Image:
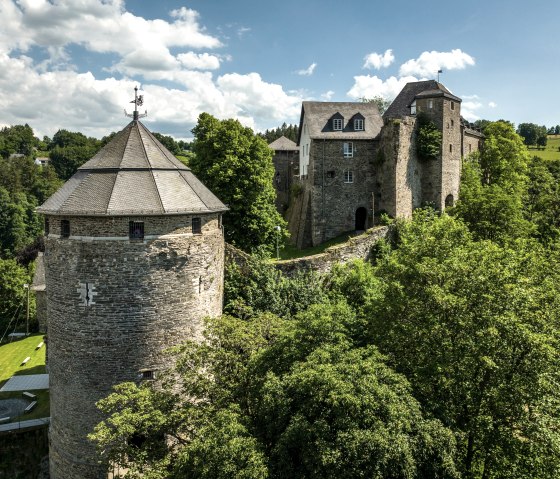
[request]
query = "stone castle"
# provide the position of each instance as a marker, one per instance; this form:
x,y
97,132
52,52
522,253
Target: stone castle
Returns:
x,y
134,245
351,163
134,260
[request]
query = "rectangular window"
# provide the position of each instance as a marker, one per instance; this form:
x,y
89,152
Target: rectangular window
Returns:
x,y
65,229
47,227
148,374
430,104
348,176
413,108
196,226
453,105
452,123
359,124
136,230
337,124
220,221
450,148
470,148
348,149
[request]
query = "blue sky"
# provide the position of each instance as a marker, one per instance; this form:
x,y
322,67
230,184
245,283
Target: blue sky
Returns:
x,y
74,63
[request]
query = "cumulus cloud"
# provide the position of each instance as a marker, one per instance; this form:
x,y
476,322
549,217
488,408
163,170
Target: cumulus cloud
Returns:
x,y
307,71
199,61
378,61
327,95
492,104
164,56
469,109
367,86
428,63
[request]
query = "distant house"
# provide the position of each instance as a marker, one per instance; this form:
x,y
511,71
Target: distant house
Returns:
x,y
355,164
42,160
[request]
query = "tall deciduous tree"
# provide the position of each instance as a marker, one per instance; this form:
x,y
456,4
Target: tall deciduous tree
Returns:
x,y
276,398
476,329
237,166
493,185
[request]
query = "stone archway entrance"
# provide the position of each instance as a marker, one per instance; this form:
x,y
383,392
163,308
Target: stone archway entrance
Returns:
x,y
361,218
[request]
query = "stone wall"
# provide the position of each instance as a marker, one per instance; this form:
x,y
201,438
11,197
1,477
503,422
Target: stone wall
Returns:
x,y
285,163
298,215
114,306
357,247
334,200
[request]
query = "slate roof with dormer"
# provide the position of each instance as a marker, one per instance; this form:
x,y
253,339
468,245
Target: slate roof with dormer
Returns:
x,y
422,89
283,144
134,174
318,117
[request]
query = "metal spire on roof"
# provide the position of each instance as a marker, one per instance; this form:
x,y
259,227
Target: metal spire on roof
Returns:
x,y
138,101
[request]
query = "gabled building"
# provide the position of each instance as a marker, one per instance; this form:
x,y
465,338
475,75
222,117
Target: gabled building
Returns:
x,y
355,164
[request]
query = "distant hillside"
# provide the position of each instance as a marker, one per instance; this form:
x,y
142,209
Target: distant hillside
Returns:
x,y
552,150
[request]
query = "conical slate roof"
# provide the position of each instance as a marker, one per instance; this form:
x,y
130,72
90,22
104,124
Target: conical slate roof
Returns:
x,y
134,174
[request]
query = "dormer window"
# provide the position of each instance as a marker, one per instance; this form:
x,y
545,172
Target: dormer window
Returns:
x,y
358,124
337,124
413,108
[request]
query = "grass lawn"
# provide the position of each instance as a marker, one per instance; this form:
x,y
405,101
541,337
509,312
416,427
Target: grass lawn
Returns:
x,y
290,251
42,409
12,354
551,151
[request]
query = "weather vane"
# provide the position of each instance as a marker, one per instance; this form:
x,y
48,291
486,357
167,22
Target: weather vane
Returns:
x,y
138,101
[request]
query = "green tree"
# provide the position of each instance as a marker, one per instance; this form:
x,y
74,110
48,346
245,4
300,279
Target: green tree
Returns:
x,y
12,294
532,134
493,186
17,139
69,150
382,103
428,138
237,166
475,327
257,286
276,398
169,143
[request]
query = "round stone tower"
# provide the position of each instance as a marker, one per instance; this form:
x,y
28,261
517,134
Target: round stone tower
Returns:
x,y
134,260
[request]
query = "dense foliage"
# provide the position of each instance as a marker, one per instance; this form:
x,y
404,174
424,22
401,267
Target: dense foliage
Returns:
x,y
441,360
533,135
428,138
289,131
236,165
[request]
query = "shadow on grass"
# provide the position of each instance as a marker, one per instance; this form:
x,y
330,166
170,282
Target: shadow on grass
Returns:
x,y
34,370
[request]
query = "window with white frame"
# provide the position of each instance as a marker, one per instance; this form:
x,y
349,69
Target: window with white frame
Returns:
x,y
337,124
413,108
358,124
430,104
348,149
348,176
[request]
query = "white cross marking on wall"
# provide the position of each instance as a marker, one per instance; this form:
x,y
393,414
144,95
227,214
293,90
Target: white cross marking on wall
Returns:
x,y
87,293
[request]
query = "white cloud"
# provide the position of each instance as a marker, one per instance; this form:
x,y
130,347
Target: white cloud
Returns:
x,y
241,31
492,104
378,61
307,71
53,94
470,108
327,95
367,86
428,63
199,61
